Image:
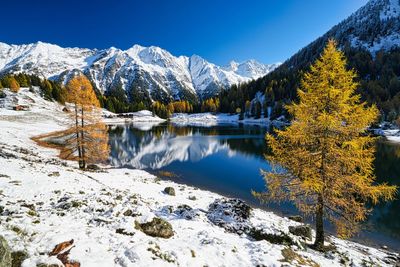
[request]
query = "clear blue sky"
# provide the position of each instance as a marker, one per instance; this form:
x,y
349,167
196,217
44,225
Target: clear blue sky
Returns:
x,y
218,30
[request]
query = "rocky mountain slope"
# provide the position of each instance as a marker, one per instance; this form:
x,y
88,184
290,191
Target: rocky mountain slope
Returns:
x,y
374,27
149,71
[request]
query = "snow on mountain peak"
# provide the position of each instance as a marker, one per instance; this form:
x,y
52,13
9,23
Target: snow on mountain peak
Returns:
x,y
151,69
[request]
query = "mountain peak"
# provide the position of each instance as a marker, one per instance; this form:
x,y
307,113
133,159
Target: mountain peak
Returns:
x,y
153,71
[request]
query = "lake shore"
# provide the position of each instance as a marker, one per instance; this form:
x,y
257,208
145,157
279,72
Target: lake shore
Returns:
x,y
47,201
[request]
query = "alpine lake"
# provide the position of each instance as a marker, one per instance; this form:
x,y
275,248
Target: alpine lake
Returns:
x,y
228,159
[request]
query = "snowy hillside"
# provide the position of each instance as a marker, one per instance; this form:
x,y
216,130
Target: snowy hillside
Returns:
x,y
149,71
45,201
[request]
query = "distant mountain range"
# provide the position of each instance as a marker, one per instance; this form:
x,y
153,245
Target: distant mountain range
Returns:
x,y
149,71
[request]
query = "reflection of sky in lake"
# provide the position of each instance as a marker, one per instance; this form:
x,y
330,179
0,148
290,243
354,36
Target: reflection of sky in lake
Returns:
x,y
228,159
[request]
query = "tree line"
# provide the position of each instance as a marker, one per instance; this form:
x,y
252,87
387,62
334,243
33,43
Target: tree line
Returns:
x,y
378,82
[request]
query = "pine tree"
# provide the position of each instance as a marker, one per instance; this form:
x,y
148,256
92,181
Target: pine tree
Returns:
x,y
90,138
323,162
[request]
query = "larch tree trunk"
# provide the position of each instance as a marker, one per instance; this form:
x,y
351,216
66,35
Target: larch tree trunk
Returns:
x,y
83,142
319,224
78,143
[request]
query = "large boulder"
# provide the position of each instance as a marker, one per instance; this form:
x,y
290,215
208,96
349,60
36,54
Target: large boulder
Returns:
x,y
169,191
5,253
156,228
231,214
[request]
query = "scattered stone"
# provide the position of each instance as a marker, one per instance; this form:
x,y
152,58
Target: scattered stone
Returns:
x,y
76,204
185,211
18,257
32,213
124,232
296,218
280,239
156,251
128,213
301,230
231,214
384,247
192,198
169,191
66,110
54,174
64,206
1,209
93,167
156,228
5,253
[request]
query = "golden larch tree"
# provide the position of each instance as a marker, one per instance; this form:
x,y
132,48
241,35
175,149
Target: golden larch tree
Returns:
x,y
323,162
88,142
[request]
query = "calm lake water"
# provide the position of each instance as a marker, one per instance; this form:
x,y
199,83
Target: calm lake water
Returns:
x,y
227,159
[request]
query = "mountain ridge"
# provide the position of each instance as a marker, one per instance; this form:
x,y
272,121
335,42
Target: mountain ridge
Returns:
x,y
150,71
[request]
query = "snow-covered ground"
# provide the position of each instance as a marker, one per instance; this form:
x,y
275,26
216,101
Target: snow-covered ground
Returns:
x,y
212,119
204,119
46,201
137,117
392,135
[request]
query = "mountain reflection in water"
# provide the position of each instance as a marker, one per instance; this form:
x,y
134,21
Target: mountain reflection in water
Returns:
x,y
227,159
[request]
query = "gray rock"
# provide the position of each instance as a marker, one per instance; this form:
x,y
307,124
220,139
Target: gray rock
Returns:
x,y
186,212
54,174
301,230
170,191
156,228
128,212
5,253
231,214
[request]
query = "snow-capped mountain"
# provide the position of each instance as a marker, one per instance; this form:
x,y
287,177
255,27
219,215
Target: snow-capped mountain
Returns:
x,y
147,71
374,27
